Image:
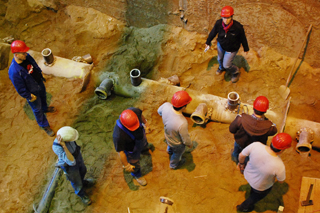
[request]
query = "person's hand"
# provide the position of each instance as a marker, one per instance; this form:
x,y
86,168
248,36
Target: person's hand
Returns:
x,y
59,138
146,127
129,168
207,47
33,98
241,167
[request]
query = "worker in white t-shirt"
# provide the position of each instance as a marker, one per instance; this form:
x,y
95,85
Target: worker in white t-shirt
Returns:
x,y
263,168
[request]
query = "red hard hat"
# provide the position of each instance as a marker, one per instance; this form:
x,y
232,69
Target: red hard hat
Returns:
x,y
129,119
282,141
227,11
19,47
261,104
180,99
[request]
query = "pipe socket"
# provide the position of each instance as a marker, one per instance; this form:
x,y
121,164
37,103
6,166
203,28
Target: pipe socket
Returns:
x,y
233,101
104,90
135,76
200,114
305,138
47,56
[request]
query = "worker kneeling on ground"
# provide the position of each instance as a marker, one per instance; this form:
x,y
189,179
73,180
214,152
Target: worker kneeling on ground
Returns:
x,y
176,127
71,162
130,140
251,128
263,168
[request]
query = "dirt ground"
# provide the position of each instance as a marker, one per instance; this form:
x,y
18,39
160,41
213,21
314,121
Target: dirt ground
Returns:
x,y
208,183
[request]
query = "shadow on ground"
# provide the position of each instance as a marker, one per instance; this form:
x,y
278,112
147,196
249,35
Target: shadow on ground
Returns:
x,y
239,61
272,201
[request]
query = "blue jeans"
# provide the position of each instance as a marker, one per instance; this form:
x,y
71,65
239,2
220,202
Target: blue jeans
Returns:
x,y
176,154
225,60
235,154
75,174
39,106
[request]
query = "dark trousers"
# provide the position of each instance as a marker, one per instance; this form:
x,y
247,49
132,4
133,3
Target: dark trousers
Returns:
x,y
75,174
39,106
254,197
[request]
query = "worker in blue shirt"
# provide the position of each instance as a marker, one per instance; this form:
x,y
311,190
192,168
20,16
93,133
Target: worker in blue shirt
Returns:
x,y
26,77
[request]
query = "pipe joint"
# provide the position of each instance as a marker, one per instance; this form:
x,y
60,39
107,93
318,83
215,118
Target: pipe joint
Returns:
x,y
305,138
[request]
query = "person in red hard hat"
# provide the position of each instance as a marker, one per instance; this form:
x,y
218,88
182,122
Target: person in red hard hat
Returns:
x,y
230,36
251,128
129,139
176,127
26,77
264,167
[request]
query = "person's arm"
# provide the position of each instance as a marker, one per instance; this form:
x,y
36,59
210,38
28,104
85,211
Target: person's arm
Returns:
x,y
19,84
68,154
212,34
241,163
184,134
126,165
244,41
233,128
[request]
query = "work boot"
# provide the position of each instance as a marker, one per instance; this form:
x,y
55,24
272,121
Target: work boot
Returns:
x,y
235,77
219,72
86,200
88,182
50,109
183,161
49,131
241,209
141,180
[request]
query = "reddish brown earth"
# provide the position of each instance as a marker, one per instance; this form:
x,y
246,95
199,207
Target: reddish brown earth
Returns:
x,y
208,183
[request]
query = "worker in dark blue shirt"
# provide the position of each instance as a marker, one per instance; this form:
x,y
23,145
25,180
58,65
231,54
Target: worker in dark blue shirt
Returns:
x,y
26,77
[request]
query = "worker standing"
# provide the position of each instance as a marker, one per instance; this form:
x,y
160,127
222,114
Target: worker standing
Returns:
x,y
251,128
230,36
176,127
26,77
130,140
264,167
71,162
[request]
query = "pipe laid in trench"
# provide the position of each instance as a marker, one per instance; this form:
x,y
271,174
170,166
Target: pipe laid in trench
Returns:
x,y
219,112
218,105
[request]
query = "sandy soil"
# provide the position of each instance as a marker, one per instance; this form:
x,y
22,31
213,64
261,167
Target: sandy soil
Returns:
x,y
209,182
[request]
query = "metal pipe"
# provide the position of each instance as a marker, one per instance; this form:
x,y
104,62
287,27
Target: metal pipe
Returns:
x,y
45,202
47,56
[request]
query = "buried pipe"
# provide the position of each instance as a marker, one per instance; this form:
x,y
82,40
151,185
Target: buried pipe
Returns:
x,y
45,202
104,90
220,111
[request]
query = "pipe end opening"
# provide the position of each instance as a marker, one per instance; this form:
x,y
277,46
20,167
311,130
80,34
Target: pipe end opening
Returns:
x,y
197,119
135,73
303,149
46,52
101,94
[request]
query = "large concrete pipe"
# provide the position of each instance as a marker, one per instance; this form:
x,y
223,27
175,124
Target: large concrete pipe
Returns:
x,y
219,106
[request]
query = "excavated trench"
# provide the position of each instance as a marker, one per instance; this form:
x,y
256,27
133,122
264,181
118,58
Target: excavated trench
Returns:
x,y
209,182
